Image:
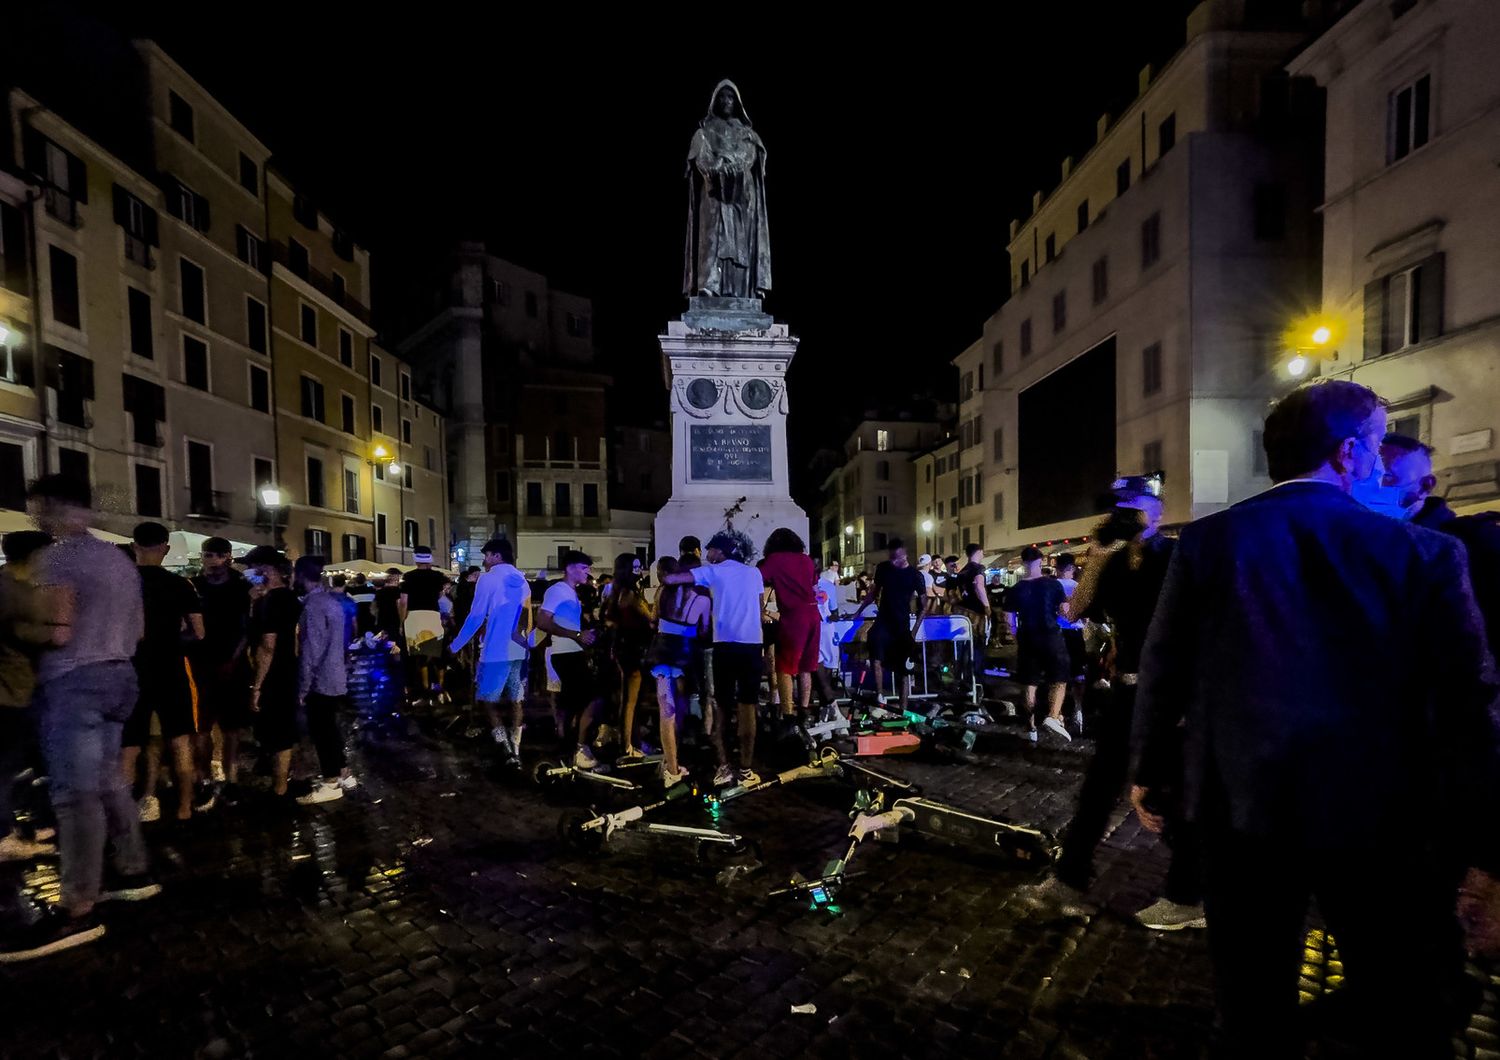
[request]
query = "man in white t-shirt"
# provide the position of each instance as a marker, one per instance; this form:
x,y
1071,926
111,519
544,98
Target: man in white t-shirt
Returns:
x,y
500,598
562,617
735,592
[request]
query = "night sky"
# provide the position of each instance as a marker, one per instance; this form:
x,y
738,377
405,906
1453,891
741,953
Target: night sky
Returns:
x,y
897,156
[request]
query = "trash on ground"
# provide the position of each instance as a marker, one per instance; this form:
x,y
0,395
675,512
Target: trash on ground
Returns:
x,y
808,1009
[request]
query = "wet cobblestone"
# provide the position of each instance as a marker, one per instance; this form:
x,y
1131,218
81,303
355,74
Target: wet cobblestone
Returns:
x,y
434,912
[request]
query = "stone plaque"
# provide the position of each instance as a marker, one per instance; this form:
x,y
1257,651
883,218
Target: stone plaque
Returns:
x,y
729,452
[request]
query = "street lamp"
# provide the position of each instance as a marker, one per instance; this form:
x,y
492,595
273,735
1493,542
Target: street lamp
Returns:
x,y
1297,367
270,496
926,526
1309,339
849,530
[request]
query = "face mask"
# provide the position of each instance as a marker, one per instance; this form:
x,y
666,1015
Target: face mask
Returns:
x,y
1378,497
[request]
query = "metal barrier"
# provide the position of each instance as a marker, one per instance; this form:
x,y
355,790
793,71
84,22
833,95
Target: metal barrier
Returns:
x,y
945,664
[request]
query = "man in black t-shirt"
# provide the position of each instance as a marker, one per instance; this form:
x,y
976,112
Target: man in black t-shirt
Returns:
x,y
219,658
891,644
974,599
422,624
388,605
1041,655
272,635
173,618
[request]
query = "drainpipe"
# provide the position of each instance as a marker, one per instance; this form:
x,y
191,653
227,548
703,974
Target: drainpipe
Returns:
x,y
38,366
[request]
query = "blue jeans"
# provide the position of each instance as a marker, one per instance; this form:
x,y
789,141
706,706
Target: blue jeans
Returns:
x,y
80,716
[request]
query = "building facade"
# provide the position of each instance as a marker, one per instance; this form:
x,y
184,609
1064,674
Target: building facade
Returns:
x,y
873,497
641,470
1149,293
511,359
194,335
1411,225
22,436
935,530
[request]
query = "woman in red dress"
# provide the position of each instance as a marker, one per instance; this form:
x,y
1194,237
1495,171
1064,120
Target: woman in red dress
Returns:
x,y
788,571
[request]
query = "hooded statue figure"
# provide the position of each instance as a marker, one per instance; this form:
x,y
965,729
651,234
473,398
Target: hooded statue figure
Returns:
x,y
728,251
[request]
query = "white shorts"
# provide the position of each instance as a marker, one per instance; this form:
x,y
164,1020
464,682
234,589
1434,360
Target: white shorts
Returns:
x,y
503,679
828,646
422,629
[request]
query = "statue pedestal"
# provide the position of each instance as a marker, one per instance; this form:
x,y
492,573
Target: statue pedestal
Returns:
x,y
725,363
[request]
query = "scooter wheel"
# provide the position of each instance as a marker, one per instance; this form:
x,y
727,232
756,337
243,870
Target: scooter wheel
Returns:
x,y
571,831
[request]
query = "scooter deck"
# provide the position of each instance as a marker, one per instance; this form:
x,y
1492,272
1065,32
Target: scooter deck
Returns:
x,y
984,834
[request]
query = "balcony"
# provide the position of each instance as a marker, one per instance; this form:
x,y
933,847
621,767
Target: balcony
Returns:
x,y
62,206
137,250
322,282
209,505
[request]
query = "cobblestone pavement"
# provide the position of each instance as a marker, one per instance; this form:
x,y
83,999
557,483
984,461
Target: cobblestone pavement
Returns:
x,y
434,912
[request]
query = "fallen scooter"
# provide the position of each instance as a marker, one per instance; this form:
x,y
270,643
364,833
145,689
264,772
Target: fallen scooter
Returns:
x,y
592,833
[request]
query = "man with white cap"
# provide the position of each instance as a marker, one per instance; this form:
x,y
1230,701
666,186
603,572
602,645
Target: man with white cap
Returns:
x,y
422,622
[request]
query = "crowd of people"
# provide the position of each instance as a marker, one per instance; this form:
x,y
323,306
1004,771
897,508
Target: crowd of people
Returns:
x,y
1300,695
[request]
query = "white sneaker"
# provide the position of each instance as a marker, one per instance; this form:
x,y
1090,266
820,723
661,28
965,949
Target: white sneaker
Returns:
x,y
321,792
669,780
1031,735
584,759
216,771
723,777
349,783
1163,915
1078,721
150,809
1010,708
18,848
498,734
1055,725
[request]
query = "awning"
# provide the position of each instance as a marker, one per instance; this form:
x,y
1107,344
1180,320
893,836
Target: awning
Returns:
x,y
187,544
366,567
12,520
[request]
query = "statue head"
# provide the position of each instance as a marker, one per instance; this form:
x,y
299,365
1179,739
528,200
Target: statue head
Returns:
x,y
726,103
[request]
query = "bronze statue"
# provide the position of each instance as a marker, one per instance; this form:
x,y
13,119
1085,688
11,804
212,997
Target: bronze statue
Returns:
x,y
728,251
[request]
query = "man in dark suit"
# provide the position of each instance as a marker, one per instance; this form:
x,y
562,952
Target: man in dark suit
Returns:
x,y
1330,668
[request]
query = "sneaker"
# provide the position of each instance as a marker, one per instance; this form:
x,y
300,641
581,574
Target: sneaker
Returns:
x,y
324,791
17,848
1031,735
216,771
515,740
1163,915
349,782
631,752
670,780
1077,720
500,736
749,778
1010,708
135,888
1055,725
1053,897
723,777
53,933
150,809
584,759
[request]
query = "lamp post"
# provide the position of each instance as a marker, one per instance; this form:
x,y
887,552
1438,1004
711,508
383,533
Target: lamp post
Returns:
x,y
269,497
1307,341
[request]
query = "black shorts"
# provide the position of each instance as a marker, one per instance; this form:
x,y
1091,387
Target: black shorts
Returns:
x,y
736,673
165,689
1042,660
223,696
891,645
575,679
276,721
